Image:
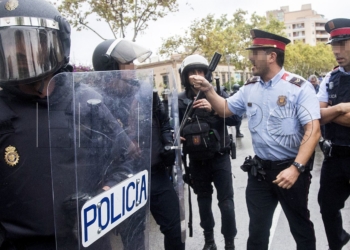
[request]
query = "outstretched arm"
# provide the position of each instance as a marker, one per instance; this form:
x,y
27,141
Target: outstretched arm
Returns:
x,y
217,102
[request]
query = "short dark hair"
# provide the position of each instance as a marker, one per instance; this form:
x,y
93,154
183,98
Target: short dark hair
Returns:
x,y
279,53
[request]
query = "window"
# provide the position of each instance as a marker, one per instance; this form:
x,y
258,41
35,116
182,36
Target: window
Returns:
x,y
165,80
223,77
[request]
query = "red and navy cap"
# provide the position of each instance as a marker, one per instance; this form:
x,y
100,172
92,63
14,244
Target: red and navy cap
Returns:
x,y
263,39
339,29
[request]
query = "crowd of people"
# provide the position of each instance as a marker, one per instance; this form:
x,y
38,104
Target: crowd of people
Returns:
x,y
57,155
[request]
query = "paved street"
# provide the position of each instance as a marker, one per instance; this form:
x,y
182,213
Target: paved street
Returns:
x,y
281,238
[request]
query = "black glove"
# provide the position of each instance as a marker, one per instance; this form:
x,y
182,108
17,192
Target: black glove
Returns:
x,y
168,156
188,180
73,205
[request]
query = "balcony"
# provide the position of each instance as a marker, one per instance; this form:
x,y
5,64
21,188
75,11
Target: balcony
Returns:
x,y
322,35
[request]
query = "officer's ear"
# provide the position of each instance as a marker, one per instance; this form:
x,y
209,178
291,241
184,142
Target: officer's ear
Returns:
x,y
271,56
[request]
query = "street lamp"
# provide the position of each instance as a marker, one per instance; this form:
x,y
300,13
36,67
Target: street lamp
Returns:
x,y
228,58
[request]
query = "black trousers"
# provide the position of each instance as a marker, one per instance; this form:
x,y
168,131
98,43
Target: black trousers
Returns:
x,y
334,191
238,125
217,171
165,209
262,197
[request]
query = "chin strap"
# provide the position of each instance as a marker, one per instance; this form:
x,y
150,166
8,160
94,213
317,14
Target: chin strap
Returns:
x,y
41,88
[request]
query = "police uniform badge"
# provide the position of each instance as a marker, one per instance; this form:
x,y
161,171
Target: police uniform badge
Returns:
x,y
196,140
11,5
11,156
282,100
331,85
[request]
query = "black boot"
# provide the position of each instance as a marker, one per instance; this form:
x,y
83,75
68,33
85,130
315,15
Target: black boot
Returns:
x,y
229,244
209,241
239,134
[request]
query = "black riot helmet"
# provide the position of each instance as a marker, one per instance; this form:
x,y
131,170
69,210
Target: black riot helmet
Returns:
x,y
34,41
109,53
235,87
190,63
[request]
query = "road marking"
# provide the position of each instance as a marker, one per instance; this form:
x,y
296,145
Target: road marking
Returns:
x,y
275,219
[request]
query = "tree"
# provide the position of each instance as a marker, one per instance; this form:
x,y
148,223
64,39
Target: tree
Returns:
x,y
120,15
305,60
228,36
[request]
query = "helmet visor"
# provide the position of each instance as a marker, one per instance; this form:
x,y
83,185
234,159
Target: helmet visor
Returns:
x,y
124,51
27,54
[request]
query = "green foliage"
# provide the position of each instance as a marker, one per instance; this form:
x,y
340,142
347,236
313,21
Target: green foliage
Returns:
x,y
226,35
120,15
231,35
304,59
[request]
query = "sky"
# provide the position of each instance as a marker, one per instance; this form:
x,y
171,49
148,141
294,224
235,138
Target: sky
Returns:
x,y
84,42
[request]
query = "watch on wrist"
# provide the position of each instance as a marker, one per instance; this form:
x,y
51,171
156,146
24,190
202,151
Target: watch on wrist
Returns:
x,y
300,167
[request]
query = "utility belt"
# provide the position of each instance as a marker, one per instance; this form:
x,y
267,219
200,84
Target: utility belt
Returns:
x,y
257,166
203,142
274,165
331,150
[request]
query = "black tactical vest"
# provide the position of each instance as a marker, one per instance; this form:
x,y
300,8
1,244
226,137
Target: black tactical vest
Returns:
x,y
338,88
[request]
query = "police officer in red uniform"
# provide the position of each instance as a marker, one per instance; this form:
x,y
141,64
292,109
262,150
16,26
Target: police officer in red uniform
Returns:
x,y
283,119
334,97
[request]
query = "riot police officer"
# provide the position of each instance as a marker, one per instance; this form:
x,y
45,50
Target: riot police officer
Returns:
x,y
31,53
35,47
119,54
214,169
334,100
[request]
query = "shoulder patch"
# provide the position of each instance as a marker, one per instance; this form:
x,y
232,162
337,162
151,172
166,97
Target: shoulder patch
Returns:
x,y
253,79
285,75
297,81
335,70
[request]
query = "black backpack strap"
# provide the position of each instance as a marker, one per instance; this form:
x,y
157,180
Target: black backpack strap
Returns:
x,y
187,180
190,212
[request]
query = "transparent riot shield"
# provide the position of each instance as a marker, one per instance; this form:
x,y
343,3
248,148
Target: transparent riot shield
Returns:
x,y
170,99
100,134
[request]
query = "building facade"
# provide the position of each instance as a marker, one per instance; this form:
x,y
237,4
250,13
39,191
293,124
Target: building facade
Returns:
x,y
304,25
164,70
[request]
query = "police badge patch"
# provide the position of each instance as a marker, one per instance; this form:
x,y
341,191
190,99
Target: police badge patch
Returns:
x,y
11,156
282,100
196,140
